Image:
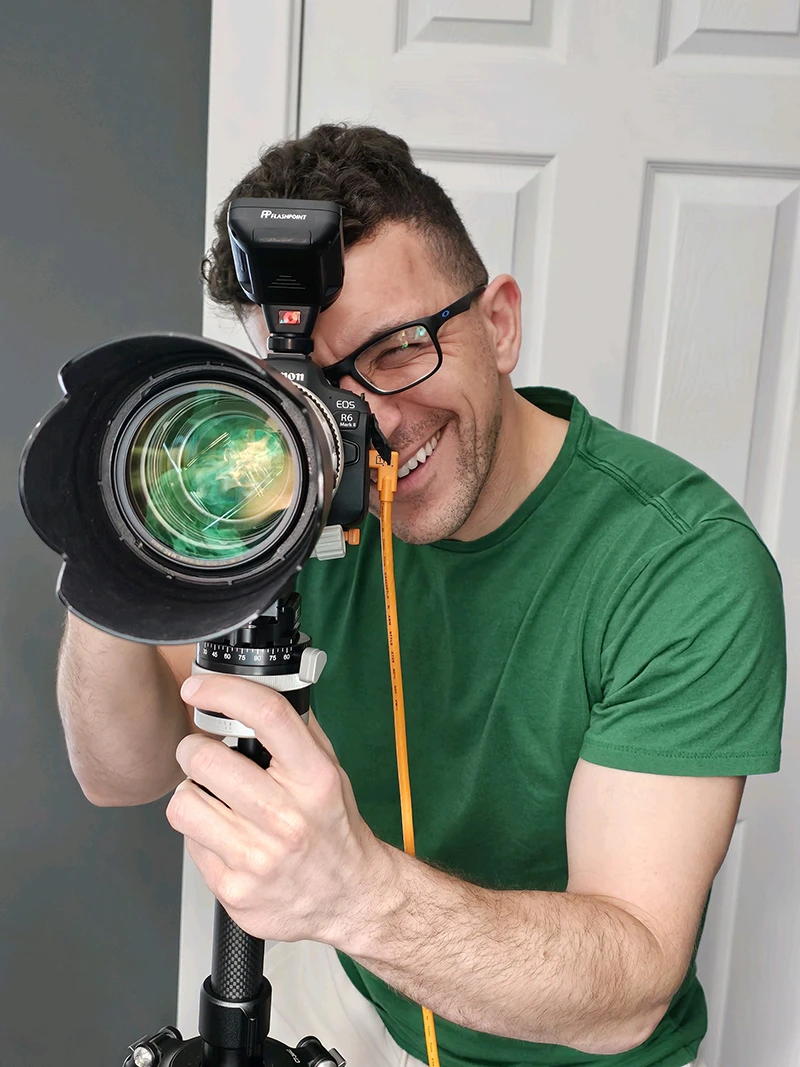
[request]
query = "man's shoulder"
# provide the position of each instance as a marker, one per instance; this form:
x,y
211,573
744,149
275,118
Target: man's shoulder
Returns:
x,y
638,473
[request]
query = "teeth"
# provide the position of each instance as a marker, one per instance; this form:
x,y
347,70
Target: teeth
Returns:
x,y
420,456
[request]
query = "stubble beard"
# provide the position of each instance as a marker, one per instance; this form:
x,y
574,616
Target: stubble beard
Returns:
x,y
433,521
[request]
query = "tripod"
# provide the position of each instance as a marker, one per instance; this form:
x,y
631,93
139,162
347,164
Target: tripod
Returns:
x,y
235,999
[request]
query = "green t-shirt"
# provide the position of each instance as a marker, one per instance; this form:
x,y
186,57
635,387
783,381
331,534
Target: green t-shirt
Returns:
x,y
627,613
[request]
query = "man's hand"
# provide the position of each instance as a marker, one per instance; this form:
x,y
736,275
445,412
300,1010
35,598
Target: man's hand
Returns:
x,y
289,857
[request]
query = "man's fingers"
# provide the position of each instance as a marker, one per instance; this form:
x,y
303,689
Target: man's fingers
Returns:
x,y
203,820
231,777
217,836
211,867
273,719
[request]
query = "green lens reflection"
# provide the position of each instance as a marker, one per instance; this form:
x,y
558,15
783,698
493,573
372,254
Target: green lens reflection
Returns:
x,y
210,475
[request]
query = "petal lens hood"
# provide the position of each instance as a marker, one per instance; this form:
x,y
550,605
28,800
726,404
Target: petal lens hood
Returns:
x,y
125,410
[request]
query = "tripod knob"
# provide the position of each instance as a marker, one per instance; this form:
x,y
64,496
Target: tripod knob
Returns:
x,y
311,663
149,1051
318,1055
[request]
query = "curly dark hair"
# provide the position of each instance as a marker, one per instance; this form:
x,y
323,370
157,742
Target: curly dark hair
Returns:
x,y
371,174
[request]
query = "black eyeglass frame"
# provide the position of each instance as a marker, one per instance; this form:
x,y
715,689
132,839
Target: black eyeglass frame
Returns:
x,y
432,323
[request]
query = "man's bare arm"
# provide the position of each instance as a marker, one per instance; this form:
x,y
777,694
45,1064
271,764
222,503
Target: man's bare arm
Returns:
x,y
593,968
122,713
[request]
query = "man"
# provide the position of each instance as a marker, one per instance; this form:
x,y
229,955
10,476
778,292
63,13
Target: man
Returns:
x,y
594,659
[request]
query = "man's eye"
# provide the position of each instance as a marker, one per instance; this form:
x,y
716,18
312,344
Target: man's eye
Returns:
x,y
399,349
415,339
398,355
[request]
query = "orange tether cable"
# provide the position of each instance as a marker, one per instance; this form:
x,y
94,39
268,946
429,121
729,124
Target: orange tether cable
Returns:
x,y
387,486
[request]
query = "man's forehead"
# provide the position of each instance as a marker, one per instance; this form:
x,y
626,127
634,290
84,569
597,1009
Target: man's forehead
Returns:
x,y
389,279
395,246
352,326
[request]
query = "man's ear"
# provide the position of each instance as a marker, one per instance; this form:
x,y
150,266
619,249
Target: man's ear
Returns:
x,y
501,306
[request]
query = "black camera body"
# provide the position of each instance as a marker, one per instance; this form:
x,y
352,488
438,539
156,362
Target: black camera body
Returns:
x,y
289,259
353,420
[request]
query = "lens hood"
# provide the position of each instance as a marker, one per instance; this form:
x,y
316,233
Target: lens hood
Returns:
x,y
111,577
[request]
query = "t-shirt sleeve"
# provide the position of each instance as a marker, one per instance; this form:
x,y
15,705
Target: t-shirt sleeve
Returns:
x,y
693,661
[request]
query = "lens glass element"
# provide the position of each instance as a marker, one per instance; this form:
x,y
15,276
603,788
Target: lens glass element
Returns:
x,y
211,473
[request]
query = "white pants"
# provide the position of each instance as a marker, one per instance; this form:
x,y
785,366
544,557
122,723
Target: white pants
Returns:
x,y
311,994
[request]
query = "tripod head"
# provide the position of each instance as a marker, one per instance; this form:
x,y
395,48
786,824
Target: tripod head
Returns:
x,y
236,998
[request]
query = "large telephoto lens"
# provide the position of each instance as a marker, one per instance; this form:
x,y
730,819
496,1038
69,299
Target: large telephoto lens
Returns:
x,y
207,475
183,482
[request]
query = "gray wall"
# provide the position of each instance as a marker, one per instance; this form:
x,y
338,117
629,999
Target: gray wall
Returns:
x,y
102,172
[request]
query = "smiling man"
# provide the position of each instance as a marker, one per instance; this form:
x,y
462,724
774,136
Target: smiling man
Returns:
x,y
594,660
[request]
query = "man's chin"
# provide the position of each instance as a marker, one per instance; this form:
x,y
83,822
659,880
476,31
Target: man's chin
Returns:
x,y
419,527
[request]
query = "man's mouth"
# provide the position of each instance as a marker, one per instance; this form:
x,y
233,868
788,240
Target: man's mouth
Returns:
x,y
420,456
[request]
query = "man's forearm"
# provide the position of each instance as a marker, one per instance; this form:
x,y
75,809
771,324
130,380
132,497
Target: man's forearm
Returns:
x,y
557,968
122,714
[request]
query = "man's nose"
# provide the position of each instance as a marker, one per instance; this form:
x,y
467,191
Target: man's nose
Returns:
x,y
384,408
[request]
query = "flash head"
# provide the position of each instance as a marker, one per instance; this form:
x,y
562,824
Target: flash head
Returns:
x,y
289,258
184,483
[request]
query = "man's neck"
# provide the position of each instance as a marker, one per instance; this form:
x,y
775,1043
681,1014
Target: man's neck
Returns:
x,y
528,443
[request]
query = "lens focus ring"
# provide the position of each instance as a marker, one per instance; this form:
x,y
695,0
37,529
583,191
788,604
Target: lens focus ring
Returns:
x,y
334,438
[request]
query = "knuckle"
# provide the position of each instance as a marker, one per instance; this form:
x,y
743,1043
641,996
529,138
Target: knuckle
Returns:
x,y
328,782
231,889
268,704
292,827
205,758
176,809
275,707
257,860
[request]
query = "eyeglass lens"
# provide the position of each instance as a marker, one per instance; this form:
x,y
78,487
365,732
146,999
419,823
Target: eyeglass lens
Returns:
x,y
400,360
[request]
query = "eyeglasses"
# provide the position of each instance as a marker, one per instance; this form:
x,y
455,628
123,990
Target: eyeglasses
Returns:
x,y
402,357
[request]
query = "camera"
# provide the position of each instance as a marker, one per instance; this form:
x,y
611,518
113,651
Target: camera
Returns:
x,y
184,482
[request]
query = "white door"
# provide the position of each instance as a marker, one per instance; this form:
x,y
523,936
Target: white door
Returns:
x,y
636,164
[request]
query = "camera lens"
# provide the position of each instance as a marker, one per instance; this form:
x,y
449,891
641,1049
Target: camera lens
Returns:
x,y
184,483
207,474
